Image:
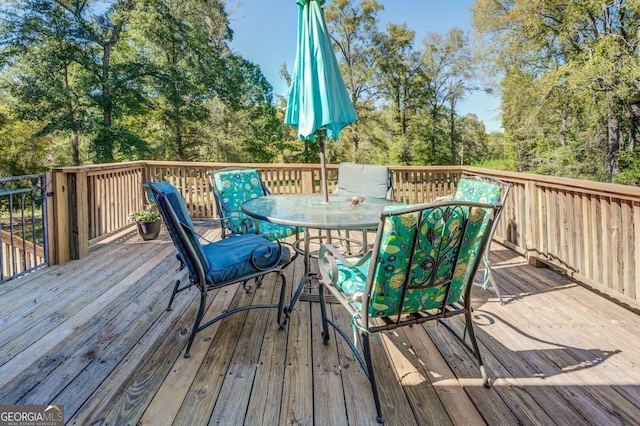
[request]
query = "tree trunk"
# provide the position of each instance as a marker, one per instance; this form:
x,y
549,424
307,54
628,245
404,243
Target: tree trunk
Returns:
x,y
75,150
452,128
105,142
613,145
404,111
104,148
564,125
75,136
178,135
355,141
633,127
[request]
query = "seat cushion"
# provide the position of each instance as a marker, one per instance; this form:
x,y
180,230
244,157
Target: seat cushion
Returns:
x,y
274,231
231,258
351,282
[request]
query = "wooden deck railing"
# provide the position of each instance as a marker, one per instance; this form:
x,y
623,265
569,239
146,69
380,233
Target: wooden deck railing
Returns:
x,y
587,229
18,254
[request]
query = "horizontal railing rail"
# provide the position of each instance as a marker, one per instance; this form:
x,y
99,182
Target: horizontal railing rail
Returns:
x,y
586,229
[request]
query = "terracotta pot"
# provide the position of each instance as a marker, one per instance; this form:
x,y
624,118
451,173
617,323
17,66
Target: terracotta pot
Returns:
x,y
149,230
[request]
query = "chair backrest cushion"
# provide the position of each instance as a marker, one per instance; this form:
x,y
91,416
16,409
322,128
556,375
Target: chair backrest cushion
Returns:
x,y
167,196
366,180
233,188
423,258
470,189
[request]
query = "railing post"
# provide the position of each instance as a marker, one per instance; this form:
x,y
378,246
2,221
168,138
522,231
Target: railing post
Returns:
x,y
70,231
307,182
78,215
534,214
51,224
60,214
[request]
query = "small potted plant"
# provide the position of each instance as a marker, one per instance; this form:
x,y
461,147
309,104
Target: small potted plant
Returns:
x,y
147,222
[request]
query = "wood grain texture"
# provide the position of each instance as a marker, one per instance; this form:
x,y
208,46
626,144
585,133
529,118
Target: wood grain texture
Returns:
x,y
104,346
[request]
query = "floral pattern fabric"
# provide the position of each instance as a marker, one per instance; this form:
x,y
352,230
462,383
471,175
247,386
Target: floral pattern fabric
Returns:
x,y
422,263
235,187
477,191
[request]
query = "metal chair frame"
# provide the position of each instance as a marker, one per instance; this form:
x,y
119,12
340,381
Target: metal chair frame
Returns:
x,y
488,279
367,325
196,273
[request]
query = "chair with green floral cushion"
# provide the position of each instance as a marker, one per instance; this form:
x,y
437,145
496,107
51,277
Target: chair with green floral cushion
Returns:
x,y
420,269
213,265
231,188
485,189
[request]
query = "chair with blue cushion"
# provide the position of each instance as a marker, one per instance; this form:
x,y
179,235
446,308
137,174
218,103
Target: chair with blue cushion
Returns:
x,y
420,269
213,265
231,188
485,189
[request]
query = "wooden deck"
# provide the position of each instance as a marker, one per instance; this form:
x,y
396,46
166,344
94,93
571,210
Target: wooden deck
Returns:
x,y
94,336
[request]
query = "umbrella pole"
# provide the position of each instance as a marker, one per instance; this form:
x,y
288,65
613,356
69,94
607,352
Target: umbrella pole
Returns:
x,y
323,166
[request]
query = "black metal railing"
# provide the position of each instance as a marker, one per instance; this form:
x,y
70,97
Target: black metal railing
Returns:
x,y
23,225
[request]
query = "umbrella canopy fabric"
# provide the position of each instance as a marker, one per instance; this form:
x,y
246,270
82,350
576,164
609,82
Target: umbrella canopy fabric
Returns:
x,y
318,97
319,102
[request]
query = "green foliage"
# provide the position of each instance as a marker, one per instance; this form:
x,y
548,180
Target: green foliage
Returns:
x,y
147,214
629,162
109,81
571,100
133,79
20,153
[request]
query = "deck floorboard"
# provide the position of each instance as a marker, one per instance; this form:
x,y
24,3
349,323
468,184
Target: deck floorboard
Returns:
x,y
94,335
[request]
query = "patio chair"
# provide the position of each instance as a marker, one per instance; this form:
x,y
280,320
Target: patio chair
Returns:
x,y
231,188
364,180
212,265
367,180
485,189
420,269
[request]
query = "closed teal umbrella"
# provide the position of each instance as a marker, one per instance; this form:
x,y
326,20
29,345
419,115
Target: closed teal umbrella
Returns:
x,y
319,104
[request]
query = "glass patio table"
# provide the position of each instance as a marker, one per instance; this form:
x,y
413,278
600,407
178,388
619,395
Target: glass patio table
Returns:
x,y
309,211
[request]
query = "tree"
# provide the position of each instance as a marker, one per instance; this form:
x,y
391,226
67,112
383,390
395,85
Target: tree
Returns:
x,y
186,43
245,127
20,152
447,68
44,77
70,55
399,81
582,60
353,30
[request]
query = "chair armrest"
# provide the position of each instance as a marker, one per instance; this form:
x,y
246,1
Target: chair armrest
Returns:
x,y
443,198
328,258
210,222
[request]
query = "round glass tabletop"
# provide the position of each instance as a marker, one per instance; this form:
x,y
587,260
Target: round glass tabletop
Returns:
x,y
309,210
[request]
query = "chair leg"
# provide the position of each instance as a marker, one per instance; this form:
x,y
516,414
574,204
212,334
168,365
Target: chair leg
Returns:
x,y
366,352
173,295
492,280
281,309
476,348
489,279
323,313
182,276
196,324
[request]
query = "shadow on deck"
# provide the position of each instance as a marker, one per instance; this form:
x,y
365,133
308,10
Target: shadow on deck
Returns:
x,y
94,336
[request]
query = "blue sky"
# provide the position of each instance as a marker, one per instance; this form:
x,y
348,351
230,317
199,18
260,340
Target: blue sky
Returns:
x,y
265,34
